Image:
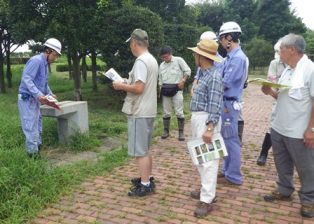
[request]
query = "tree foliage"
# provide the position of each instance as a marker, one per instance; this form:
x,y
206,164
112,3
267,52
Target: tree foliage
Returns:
x,y
117,26
260,52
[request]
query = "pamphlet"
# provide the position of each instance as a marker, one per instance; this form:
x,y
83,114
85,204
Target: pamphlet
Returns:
x,y
265,82
52,102
113,75
201,152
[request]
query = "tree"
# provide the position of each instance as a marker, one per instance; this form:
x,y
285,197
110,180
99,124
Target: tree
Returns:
x,y
70,23
275,20
169,10
117,26
309,39
260,52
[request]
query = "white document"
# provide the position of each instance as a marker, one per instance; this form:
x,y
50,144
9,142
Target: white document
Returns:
x,y
113,75
201,152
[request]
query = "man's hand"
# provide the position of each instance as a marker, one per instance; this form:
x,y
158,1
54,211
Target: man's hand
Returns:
x,y
309,138
43,99
117,85
181,84
207,136
266,90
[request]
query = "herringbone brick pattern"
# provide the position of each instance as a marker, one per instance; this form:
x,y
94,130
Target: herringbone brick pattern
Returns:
x,y
104,199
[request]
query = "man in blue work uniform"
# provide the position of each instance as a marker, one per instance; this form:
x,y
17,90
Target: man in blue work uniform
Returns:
x,y
234,77
33,91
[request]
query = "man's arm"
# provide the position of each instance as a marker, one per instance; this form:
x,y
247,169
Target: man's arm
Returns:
x,y
136,88
309,132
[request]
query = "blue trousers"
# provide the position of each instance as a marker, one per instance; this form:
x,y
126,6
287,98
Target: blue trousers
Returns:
x,y
31,123
229,130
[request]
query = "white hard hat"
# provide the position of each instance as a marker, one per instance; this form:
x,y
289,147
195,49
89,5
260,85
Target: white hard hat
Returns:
x,y
54,44
277,45
208,35
229,27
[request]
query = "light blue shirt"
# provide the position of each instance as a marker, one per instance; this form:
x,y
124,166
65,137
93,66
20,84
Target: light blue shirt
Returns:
x,y
35,77
234,73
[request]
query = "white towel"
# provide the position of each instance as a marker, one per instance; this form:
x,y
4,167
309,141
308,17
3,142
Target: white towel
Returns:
x,y
303,66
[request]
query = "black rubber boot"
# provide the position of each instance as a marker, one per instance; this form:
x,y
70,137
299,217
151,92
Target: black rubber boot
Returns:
x,y
240,129
261,161
166,122
181,129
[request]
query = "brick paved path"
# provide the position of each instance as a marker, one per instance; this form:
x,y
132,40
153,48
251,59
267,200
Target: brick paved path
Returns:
x,y
103,199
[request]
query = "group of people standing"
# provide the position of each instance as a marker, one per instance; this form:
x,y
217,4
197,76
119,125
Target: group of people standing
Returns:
x,y
215,106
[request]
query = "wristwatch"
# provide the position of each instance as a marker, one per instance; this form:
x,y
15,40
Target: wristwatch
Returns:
x,y
210,129
312,129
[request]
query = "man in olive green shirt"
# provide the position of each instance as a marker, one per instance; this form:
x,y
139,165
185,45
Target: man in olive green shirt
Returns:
x,y
173,71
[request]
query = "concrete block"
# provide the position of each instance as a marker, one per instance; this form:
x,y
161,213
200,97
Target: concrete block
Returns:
x,y
72,118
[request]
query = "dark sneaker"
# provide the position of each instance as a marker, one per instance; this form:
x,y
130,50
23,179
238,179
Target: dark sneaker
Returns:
x,y
276,196
307,211
203,209
226,182
34,155
261,161
141,190
137,181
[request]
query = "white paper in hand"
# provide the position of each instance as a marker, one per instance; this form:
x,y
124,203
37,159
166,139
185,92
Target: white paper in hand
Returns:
x,y
113,75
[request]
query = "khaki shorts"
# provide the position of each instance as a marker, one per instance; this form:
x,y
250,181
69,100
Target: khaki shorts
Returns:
x,y
140,131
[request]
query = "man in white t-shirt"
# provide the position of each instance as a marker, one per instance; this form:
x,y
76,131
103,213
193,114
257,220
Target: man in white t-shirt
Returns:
x,y
141,107
292,132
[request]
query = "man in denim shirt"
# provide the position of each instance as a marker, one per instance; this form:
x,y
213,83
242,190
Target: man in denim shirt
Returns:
x,y
234,77
33,91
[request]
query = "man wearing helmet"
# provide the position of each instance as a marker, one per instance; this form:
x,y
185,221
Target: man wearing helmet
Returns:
x,y
33,91
234,77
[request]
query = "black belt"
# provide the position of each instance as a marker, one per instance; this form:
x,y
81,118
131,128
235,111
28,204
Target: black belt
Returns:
x,y
225,98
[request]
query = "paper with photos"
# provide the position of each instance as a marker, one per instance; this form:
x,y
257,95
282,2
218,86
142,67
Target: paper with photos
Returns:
x,y
201,152
52,102
113,75
265,82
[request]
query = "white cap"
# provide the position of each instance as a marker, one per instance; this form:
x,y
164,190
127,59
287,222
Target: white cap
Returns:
x,y
54,44
208,35
229,27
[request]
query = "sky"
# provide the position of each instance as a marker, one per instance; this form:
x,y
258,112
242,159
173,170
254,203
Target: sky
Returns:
x,y
304,9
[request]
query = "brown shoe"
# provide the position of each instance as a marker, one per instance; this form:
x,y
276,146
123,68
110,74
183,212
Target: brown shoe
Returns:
x,y
307,211
203,209
220,175
226,182
197,195
275,195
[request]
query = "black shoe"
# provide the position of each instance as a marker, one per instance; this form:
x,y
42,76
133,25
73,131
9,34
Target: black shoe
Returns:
x,y
141,190
34,155
261,161
136,181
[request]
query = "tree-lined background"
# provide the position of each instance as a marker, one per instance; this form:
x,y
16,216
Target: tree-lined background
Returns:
x,y
99,28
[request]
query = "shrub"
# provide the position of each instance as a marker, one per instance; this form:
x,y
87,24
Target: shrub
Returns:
x,y
65,67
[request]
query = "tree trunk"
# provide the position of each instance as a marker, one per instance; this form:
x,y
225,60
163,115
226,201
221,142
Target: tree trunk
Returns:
x,y
94,69
7,46
9,72
2,83
77,76
84,69
70,66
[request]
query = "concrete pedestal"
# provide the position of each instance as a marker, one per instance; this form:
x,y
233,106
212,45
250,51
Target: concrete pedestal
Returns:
x,y
72,118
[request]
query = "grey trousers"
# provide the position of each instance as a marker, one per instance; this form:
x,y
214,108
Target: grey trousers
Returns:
x,y
290,152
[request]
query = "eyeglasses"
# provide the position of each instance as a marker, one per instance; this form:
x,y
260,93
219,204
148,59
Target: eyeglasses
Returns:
x,y
164,57
221,37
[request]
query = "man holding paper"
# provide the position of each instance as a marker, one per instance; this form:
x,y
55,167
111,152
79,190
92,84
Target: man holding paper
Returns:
x,y
140,105
206,106
292,132
33,91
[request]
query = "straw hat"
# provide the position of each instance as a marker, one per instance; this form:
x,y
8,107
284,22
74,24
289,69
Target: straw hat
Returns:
x,y
207,48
